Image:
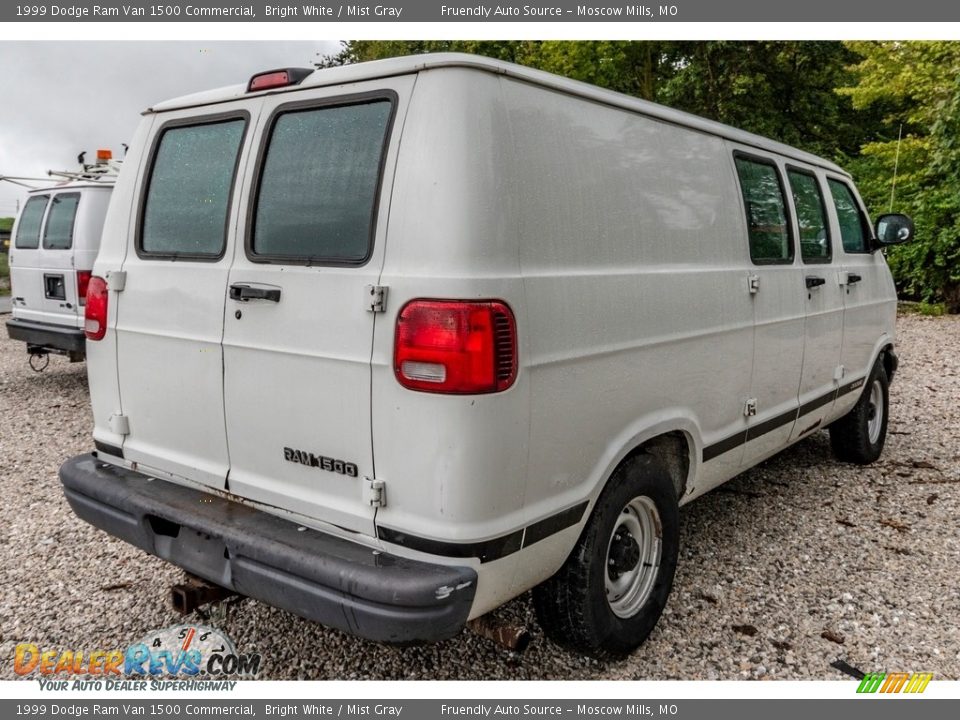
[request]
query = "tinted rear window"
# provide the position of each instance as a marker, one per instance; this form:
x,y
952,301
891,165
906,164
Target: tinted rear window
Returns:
x,y
58,232
28,229
318,187
188,197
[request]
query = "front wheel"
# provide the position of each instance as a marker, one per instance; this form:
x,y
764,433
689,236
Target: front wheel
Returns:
x,y
612,589
859,435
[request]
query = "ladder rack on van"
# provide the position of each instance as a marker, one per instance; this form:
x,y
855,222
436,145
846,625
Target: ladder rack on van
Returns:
x,y
105,169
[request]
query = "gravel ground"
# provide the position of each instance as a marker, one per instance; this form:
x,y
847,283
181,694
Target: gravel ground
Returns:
x,y
790,567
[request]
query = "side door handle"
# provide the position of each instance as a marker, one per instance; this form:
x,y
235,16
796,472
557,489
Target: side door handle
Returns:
x,y
814,281
243,293
853,278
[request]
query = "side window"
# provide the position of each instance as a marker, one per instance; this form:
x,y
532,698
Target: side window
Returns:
x,y
58,232
763,200
811,217
188,193
28,229
853,224
318,188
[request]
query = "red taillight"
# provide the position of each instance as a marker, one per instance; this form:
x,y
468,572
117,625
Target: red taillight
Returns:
x,y
83,282
456,347
95,313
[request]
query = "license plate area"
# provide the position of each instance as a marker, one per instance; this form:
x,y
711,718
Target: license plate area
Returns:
x,y
193,550
54,287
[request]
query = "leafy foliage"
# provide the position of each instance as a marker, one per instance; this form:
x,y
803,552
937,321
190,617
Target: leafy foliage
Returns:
x,y
918,86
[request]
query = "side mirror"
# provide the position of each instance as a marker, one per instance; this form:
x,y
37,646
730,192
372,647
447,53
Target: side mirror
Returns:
x,y
893,229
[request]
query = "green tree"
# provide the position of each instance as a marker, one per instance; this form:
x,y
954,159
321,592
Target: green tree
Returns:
x,y
635,68
779,89
917,85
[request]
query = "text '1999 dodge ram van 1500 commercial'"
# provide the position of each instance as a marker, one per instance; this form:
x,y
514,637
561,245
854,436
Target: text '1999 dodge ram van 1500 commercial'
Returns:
x,y
389,344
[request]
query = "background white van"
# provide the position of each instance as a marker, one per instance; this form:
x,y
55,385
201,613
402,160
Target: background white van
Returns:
x,y
54,243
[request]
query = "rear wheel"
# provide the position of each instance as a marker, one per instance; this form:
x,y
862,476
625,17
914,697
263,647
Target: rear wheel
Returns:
x,y
612,589
858,436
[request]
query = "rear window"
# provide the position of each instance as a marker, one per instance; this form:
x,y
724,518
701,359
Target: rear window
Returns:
x,y
319,184
58,232
28,229
188,195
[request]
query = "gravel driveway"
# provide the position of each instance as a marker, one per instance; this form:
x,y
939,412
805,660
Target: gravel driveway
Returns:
x,y
790,567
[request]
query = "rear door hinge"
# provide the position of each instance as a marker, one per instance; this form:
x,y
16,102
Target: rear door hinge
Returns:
x,y
119,424
375,492
753,284
375,298
750,407
116,280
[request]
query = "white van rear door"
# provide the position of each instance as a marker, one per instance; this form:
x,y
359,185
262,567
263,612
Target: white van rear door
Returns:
x,y
169,325
26,269
299,328
58,274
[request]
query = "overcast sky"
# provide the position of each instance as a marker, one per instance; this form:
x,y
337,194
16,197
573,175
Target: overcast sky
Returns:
x,y
59,98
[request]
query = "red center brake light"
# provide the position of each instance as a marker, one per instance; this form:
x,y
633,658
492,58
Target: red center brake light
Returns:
x,y
278,78
95,313
83,282
455,347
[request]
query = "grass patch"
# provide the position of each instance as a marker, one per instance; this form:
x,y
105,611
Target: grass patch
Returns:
x,y
905,307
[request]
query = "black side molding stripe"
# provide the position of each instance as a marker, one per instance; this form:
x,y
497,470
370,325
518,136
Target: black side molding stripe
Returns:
x,y
819,402
755,431
850,387
553,524
760,429
488,550
726,445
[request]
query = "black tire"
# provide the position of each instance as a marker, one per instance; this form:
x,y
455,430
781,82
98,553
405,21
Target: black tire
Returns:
x,y
858,436
573,606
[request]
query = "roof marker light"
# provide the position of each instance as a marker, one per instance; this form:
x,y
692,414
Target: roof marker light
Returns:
x,y
278,78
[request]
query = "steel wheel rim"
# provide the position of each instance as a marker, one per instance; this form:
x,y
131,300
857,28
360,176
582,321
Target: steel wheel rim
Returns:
x,y
875,412
628,591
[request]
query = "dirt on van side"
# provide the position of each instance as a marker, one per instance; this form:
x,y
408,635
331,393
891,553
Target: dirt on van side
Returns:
x,y
802,568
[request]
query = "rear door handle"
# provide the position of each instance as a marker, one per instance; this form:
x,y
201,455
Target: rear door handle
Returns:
x,y
243,293
852,278
814,281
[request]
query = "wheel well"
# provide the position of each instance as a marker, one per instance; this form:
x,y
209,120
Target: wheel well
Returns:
x,y
889,361
673,450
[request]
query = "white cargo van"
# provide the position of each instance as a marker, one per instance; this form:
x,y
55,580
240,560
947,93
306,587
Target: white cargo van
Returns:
x,y
389,344
55,241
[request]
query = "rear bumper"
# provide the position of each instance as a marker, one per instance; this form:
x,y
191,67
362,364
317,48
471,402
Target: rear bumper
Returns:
x,y
324,578
57,338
